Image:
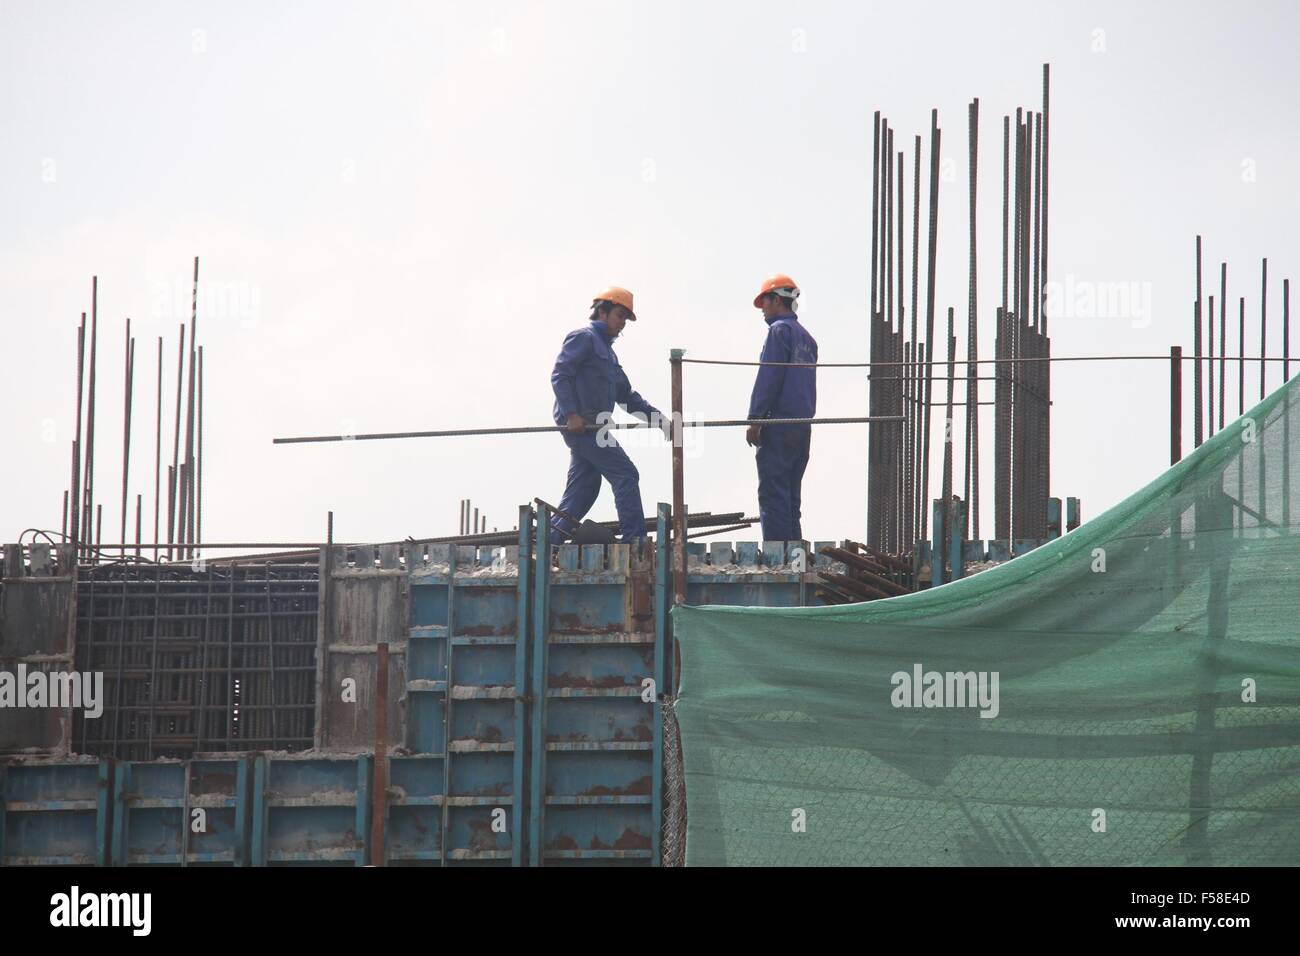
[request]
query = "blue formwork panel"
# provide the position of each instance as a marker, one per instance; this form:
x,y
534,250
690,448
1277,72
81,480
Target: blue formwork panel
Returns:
x,y
463,710
311,811
751,574
597,719
413,831
55,813
182,813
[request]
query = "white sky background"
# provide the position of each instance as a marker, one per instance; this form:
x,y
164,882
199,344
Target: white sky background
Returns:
x,y
407,206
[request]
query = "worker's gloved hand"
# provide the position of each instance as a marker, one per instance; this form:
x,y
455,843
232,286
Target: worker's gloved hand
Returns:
x,y
576,424
753,435
666,426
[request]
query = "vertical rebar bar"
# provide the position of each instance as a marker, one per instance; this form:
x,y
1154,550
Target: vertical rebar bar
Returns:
x,y
1175,404
187,526
1037,185
944,533
1045,367
875,202
1006,204
1241,359
888,232
679,486
886,462
1286,330
129,359
1197,434
74,507
1043,251
1263,328
873,335
1223,339
914,411
1014,323
88,482
935,140
971,483
174,472
198,494
1001,435
896,436
157,453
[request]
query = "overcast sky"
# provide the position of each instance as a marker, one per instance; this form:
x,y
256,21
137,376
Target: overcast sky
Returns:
x,y
401,208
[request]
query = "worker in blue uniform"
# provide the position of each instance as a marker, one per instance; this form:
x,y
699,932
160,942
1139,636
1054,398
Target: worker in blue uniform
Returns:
x,y
782,392
588,381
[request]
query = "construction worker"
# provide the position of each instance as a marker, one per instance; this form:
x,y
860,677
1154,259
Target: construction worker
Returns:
x,y
588,382
782,392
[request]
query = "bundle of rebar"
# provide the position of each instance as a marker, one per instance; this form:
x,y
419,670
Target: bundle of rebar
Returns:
x,y
868,575
906,351
1205,402
82,512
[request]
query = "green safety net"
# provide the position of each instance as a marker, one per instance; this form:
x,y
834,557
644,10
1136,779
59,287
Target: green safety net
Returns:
x,y
1146,709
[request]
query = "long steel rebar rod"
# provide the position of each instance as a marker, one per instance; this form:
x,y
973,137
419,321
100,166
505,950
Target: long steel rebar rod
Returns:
x,y
1223,338
898,437
944,531
1046,166
74,505
1241,355
535,429
970,487
187,523
1046,368
912,443
1263,325
875,204
1197,427
886,463
157,451
935,140
198,494
126,420
88,482
173,473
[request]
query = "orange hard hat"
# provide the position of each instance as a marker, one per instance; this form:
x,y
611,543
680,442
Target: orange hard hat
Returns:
x,y
774,284
618,297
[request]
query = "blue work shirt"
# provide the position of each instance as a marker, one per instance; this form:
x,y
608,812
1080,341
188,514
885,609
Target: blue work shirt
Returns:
x,y
588,380
779,391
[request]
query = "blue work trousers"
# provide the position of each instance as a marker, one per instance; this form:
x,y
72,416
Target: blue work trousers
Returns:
x,y
588,463
782,458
